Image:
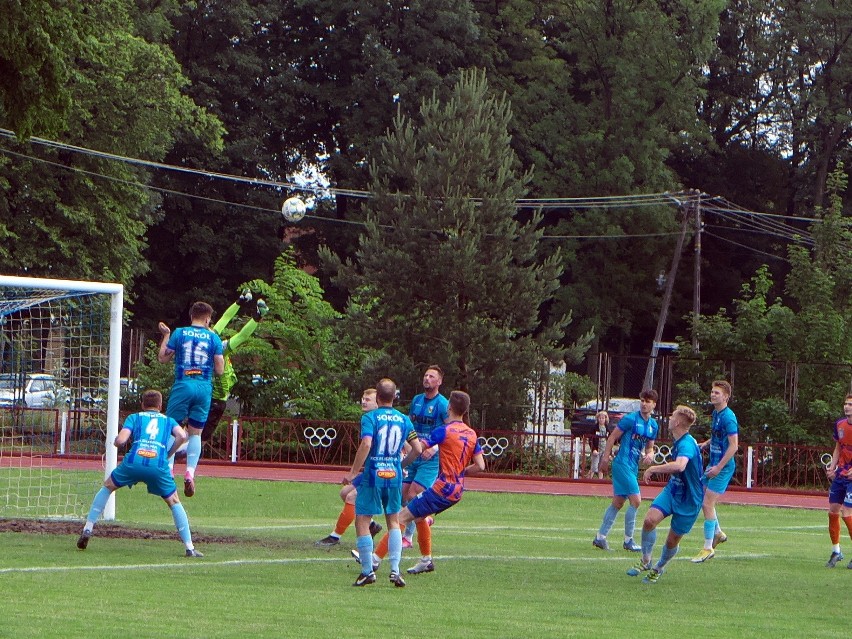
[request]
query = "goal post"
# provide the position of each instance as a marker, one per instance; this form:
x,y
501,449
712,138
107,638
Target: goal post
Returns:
x,y
60,387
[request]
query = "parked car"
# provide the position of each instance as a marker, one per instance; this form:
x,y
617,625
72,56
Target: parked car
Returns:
x,y
33,390
127,389
583,419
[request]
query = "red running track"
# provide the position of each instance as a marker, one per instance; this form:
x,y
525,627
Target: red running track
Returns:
x,y
484,483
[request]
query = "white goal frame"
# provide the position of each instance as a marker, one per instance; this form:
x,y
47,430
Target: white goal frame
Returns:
x,y
116,312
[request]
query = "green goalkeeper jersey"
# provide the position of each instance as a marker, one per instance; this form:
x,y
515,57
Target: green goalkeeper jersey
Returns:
x,y
223,384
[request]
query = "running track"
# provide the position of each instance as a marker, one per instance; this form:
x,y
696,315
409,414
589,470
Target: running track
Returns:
x,y
485,483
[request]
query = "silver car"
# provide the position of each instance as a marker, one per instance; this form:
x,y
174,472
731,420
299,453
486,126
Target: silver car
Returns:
x,y
33,390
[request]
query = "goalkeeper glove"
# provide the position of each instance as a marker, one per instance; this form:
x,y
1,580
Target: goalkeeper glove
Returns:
x,y
262,309
244,298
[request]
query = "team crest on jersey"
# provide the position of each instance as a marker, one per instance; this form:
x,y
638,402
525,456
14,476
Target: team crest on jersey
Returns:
x,y
840,432
430,409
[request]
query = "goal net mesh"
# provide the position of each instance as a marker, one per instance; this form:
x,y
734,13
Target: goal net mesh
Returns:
x,y
54,374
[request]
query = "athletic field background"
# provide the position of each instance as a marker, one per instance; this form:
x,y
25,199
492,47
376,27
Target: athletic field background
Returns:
x,y
506,565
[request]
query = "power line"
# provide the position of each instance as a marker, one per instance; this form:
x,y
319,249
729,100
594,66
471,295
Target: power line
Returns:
x,y
766,223
614,201
748,248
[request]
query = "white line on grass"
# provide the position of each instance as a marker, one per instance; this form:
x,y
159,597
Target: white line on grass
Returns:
x,y
308,560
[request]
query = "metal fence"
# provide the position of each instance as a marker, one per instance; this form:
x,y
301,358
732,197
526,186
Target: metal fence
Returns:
x,y
327,443
253,440
627,375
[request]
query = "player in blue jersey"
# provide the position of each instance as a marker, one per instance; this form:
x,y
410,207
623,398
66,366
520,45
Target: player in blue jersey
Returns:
x,y
680,499
635,433
384,431
349,492
198,355
723,443
427,412
146,462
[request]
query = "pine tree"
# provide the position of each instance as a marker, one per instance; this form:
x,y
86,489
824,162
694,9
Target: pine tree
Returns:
x,y
446,271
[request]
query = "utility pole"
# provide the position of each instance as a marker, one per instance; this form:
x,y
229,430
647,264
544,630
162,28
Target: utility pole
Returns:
x,y
667,297
696,291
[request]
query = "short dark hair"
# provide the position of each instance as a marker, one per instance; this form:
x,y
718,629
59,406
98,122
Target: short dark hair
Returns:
x,y
436,368
650,393
459,402
386,390
200,310
152,399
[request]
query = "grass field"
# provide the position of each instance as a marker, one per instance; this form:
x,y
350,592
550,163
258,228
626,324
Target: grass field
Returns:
x,y
506,566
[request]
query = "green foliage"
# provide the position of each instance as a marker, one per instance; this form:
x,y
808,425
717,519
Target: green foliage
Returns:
x,y
306,85
37,37
812,338
445,273
587,81
78,216
577,389
151,375
294,363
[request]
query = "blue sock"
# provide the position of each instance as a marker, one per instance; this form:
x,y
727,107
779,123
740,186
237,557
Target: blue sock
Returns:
x,y
409,530
394,548
649,538
608,520
630,521
709,531
718,527
98,505
365,552
666,556
193,452
182,524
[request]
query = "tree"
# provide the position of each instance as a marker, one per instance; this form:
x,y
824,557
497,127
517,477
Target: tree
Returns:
x,y
602,92
299,86
36,37
812,332
444,272
293,365
76,215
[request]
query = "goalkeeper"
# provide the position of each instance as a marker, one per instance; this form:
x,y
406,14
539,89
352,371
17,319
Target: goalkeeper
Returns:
x,y
223,384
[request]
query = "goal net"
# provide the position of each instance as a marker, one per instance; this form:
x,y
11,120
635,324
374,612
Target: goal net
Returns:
x,y
60,356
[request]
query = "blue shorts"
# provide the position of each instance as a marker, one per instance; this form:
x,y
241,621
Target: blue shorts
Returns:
x,y
375,500
429,503
190,400
683,515
357,480
624,481
840,491
719,483
158,480
422,472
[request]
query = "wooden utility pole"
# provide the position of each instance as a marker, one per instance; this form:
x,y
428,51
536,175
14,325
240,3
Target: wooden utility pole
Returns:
x,y
667,297
696,291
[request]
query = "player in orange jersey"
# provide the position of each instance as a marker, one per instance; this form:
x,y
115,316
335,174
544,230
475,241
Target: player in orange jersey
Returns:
x,y
839,471
459,454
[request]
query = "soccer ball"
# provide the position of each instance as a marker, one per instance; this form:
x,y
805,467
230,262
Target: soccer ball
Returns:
x,y
293,209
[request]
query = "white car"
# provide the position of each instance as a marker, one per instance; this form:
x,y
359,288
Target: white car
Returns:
x,y
33,390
